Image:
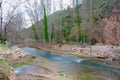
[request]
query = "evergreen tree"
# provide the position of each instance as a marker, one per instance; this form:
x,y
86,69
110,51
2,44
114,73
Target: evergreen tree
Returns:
x,y
45,23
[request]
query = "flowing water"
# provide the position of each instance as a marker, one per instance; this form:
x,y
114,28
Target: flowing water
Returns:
x,y
80,68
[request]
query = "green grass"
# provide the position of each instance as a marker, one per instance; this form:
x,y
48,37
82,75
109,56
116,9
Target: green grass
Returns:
x,y
4,47
20,65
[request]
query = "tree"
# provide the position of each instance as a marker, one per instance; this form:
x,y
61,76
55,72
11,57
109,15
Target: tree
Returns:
x,y
35,32
92,13
35,13
15,27
60,26
7,15
76,19
45,23
78,22
52,33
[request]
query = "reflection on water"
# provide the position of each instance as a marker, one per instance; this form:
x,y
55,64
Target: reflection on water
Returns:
x,y
80,68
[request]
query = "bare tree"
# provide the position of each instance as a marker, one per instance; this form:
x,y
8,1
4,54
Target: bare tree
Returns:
x,y
15,28
1,19
7,14
35,13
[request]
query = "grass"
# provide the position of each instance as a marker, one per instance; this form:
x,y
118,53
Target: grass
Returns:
x,y
20,65
4,47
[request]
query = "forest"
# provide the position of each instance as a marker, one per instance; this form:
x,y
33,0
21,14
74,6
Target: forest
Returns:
x,y
60,39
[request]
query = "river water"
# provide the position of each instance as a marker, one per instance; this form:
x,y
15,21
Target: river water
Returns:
x,y
81,68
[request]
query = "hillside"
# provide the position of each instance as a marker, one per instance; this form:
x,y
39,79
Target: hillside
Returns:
x,y
101,28
112,27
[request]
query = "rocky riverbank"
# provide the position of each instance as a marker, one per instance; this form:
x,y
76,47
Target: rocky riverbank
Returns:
x,y
38,68
105,52
13,57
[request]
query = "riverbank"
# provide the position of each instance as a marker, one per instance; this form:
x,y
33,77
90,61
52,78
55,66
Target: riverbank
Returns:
x,y
101,51
107,53
74,65
38,68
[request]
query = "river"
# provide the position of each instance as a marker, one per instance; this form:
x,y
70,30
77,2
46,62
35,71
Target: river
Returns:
x,y
82,68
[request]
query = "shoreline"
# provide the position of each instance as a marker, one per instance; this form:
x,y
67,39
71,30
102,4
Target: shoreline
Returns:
x,y
107,58
63,52
107,54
